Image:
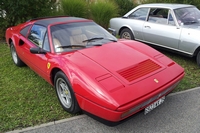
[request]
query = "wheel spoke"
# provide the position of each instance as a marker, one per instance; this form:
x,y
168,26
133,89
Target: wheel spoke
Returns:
x,y
63,96
69,96
62,86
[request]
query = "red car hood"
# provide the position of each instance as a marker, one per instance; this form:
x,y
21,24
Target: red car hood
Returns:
x,y
115,57
119,59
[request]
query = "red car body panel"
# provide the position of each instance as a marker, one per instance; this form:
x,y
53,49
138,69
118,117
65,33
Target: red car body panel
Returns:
x,y
100,75
134,106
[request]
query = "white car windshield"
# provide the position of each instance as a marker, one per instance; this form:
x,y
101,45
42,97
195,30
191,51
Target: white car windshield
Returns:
x,y
187,16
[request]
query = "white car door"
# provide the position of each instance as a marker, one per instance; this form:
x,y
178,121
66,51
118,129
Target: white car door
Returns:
x,y
162,31
136,22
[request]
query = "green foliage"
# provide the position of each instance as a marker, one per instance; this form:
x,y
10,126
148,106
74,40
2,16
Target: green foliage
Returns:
x,y
13,12
77,8
103,11
21,10
124,6
3,24
2,28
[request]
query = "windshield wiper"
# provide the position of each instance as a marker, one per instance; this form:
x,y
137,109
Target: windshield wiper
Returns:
x,y
99,38
96,45
113,40
71,46
94,38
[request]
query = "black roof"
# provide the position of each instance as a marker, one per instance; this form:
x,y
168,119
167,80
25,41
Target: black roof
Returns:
x,y
59,19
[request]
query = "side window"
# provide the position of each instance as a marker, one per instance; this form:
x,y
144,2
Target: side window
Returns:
x,y
25,30
140,14
158,15
37,34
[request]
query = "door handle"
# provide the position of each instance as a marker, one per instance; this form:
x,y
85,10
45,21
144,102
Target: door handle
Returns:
x,y
147,27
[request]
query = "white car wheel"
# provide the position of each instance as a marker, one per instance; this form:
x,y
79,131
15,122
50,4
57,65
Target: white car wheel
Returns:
x,y
126,34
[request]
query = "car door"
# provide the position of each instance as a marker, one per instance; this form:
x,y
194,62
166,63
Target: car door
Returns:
x,y
136,21
38,37
161,29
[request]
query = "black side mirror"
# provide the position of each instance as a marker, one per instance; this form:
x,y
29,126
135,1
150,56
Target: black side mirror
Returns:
x,y
112,31
37,50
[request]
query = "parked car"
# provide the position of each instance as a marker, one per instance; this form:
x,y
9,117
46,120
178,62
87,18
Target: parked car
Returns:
x,y
174,27
90,69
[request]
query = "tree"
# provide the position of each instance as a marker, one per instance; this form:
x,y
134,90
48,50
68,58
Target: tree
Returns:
x,y
18,11
13,12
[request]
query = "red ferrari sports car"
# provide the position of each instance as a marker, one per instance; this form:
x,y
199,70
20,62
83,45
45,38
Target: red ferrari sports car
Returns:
x,y
91,69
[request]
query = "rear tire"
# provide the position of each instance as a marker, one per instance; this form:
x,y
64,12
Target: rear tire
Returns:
x,y
127,34
65,93
198,59
18,62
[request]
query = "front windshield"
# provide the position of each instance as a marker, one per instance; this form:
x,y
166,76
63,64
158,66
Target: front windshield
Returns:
x,y
187,16
79,35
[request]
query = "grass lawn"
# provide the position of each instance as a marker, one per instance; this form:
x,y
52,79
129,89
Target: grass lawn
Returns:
x,y
27,100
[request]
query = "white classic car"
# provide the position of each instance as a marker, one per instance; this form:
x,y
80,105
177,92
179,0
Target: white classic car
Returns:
x,y
175,27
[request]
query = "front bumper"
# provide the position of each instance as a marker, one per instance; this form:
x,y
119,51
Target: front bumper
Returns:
x,y
124,112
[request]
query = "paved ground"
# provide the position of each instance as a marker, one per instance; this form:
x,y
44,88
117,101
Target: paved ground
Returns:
x,y
180,113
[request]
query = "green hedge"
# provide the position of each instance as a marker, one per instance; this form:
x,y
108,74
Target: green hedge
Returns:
x,y
77,8
102,11
124,6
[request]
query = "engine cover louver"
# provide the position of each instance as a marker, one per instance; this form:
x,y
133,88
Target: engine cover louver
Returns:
x,y
139,70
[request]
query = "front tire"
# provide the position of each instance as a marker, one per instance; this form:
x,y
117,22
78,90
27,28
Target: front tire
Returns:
x,y
65,93
15,57
127,34
198,59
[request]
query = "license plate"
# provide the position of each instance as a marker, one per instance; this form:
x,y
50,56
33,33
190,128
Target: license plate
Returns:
x,y
154,105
